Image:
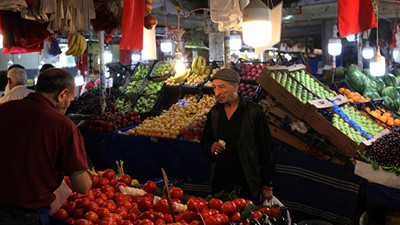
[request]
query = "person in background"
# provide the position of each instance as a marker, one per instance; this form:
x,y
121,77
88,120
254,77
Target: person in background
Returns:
x,y
39,146
237,139
3,82
91,83
16,82
7,89
42,69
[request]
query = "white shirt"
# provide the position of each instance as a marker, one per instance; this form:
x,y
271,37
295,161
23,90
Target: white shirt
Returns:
x,y
18,92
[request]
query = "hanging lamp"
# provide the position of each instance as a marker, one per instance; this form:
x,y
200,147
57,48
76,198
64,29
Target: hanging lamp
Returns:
x,y
257,25
377,64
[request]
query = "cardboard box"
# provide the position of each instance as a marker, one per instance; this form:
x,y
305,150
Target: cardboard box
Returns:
x,y
326,128
276,90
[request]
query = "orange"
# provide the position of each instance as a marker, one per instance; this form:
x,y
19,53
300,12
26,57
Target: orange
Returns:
x,y
383,118
347,92
390,122
374,114
397,121
368,109
341,90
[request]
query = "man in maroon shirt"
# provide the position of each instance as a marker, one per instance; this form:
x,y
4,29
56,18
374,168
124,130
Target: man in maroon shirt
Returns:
x,y
39,145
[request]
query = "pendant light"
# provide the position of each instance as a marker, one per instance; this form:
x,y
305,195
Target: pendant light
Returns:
x,y
257,25
166,43
179,66
377,64
334,44
396,54
368,51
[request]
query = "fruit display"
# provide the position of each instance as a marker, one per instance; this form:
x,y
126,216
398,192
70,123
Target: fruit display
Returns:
x,y
311,84
353,96
250,71
161,69
141,72
76,45
194,131
178,78
214,71
366,124
293,87
145,103
124,105
347,129
356,80
198,78
199,65
152,87
326,113
133,86
112,120
385,152
119,199
170,122
89,102
247,90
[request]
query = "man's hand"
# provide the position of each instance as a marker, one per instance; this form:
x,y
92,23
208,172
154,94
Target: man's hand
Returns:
x,y
217,148
266,193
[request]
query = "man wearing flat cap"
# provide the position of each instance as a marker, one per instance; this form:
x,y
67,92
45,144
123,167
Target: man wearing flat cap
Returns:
x,y
237,140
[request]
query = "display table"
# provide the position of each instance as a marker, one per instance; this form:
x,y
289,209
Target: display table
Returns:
x,y
310,187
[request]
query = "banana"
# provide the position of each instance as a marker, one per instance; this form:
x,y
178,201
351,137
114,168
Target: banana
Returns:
x,y
69,40
72,41
194,64
83,45
78,44
203,65
181,77
199,63
72,49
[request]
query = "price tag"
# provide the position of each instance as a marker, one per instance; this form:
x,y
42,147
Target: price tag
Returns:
x,y
154,139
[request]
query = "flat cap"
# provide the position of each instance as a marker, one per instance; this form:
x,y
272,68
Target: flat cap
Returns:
x,y
227,75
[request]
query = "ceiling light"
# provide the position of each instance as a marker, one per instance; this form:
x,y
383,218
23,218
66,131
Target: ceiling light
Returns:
x,y
377,64
1,41
351,38
368,51
256,24
235,42
396,54
334,44
166,45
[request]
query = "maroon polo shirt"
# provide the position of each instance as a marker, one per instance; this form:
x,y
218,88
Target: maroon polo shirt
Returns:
x,y
38,146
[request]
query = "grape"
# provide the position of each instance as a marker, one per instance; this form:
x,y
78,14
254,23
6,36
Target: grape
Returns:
x,y
386,149
326,113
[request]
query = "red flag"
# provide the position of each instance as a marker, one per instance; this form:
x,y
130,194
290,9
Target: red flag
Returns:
x,y
132,25
355,16
394,44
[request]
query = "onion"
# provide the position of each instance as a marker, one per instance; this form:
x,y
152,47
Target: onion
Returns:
x,y
147,7
150,21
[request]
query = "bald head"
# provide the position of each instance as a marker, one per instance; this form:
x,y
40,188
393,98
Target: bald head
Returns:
x,y
16,76
54,80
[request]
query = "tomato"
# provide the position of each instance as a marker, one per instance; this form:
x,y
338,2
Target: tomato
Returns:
x,y
107,222
240,203
65,203
109,194
159,215
91,216
149,196
126,204
196,222
206,213
82,203
213,211
83,222
102,211
122,211
161,206
119,184
137,222
107,188
215,203
90,195
275,212
229,208
108,173
213,220
127,222
113,181
70,220
102,181
136,199
177,200
176,192
146,222
92,206
95,180
248,202
62,214
132,217
168,218
110,205
99,202
224,218
147,215
265,210
236,217
78,213
74,196
96,190
100,195
150,186
256,215
126,179
159,222
189,216
71,207
144,204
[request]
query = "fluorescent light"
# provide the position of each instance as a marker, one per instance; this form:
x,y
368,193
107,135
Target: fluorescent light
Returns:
x,y
108,57
396,54
1,41
377,65
135,57
79,80
334,46
256,24
288,57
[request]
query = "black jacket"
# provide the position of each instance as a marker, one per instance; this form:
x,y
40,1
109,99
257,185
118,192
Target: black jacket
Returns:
x,y
255,145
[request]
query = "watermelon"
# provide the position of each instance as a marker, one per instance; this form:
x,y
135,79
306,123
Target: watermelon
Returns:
x,y
371,93
396,72
398,79
390,92
353,67
371,85
340,72
396,105
387,102
380,85
368,74
390,80
355,80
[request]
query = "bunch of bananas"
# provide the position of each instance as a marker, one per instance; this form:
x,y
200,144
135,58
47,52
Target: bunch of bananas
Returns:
x,y
76,45
199,65
178,78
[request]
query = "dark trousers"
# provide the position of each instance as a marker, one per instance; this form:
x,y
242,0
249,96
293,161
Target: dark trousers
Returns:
x,y
14,215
